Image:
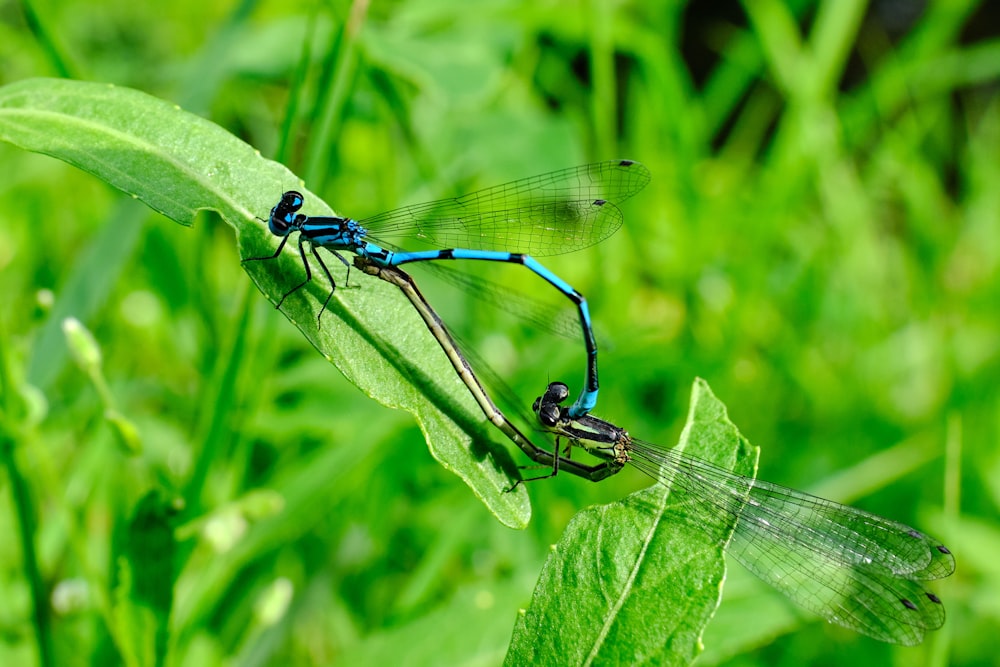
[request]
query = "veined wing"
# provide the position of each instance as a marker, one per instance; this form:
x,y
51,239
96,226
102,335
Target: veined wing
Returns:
x,y
851,567
549,214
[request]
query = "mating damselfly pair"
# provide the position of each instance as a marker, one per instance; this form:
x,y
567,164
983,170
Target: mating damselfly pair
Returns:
x,y
853,568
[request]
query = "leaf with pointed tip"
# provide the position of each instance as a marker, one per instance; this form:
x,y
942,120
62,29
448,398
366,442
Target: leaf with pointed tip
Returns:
x,y
635,581
178,164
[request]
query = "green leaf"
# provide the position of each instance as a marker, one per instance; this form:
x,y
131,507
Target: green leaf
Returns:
x,y
636,581
178,164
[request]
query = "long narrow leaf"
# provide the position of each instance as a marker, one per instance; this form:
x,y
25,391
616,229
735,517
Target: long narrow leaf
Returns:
x,y
179,164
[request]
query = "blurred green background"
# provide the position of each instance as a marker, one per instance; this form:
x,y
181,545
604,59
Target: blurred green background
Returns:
x,y
821,242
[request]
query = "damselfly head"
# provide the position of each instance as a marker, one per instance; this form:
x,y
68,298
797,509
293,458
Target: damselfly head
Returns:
x,y
283,215
547,406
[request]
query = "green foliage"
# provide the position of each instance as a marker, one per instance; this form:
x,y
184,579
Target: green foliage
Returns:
x,y
177,164
819,241
145,582
636,581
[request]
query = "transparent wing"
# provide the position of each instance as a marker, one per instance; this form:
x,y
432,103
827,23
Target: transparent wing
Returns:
x,y
541,315
550,214
851,567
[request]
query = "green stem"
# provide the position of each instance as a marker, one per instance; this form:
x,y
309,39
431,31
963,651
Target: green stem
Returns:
x,y
213,430
26,530
47,39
